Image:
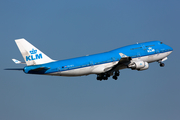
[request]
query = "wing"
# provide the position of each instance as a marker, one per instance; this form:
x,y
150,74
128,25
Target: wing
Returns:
x,y
123,62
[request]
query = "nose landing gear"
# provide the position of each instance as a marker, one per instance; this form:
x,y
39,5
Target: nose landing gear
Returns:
x,y
162,64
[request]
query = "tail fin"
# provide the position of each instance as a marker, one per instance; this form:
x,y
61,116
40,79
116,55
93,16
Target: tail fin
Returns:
x,y
31,54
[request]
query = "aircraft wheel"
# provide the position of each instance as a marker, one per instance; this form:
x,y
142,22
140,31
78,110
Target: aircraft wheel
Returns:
x,y
117,73
108,75
105,77
162,64
99,78
115,77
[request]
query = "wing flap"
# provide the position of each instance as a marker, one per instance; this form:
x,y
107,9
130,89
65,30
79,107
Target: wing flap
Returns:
x,y
121,64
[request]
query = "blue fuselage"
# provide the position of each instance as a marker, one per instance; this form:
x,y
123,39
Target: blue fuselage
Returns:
x,y
133,51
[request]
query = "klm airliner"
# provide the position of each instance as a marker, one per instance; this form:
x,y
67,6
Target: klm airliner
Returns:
x,y
104,65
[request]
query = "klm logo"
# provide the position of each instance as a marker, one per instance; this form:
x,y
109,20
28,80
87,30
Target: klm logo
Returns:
x,y
150,49
34,55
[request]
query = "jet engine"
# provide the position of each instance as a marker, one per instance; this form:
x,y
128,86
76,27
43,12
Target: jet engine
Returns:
x,y
138,65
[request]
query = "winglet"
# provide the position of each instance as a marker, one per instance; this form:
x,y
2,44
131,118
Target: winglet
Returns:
x,y
123,55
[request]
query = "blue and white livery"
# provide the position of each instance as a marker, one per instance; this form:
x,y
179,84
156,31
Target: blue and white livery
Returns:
x,y
104,65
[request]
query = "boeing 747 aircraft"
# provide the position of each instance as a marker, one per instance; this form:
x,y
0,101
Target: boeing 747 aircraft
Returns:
x,y
104,65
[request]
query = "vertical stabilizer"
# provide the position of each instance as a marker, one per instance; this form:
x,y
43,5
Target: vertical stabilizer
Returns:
x,y
31,54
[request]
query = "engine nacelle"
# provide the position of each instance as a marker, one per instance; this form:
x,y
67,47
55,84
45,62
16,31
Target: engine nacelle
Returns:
x,y
145,67
139,65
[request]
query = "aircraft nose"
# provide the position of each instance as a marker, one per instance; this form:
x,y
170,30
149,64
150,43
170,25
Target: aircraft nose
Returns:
x,y
170,48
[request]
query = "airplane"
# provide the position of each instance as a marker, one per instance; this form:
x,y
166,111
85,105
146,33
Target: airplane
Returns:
x,y
135,57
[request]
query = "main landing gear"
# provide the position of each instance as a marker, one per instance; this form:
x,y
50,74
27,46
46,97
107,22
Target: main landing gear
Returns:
x,y
115,77
102,77
105,76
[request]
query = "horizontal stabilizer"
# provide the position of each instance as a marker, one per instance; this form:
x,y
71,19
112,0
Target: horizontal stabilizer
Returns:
x,y
14,69
18,62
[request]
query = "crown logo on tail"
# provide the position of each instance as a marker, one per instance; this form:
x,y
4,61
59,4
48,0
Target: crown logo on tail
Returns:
x,y
33,51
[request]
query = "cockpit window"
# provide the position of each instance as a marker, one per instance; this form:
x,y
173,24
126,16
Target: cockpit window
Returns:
x,y
161,42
